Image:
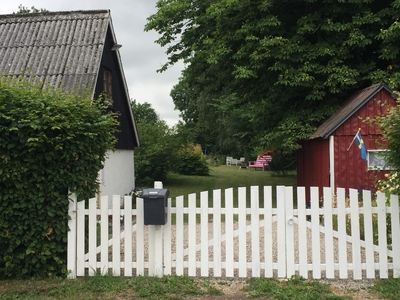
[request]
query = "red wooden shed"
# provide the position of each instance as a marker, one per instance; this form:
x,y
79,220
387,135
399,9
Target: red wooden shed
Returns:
x,y
324,160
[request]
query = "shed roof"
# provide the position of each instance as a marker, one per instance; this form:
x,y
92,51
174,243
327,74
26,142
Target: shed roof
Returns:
x,y
61,49
351,106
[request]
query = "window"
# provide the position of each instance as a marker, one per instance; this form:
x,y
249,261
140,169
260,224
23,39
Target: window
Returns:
x,y
107,83
377,160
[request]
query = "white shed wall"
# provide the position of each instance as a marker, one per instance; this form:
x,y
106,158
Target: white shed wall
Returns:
x,y
117,176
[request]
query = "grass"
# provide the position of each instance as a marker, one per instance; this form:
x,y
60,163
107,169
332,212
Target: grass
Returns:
x,y
389,289
223,177
295,288
106,287
178,287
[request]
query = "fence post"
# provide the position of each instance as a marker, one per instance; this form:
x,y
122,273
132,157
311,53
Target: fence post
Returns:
x,y
71,238
156,248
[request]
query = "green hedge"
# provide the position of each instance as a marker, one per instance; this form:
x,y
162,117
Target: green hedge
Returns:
x,y
50,142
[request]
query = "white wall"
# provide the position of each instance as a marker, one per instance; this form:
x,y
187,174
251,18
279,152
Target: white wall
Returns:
x,y
117,176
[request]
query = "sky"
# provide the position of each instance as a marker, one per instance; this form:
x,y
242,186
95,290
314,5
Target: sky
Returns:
x,y
141,56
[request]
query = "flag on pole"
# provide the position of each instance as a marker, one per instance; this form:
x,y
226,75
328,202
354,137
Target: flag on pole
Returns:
x,y
360,143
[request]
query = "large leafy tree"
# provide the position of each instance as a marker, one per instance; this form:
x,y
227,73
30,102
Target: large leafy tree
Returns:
x,y
157,153
266,73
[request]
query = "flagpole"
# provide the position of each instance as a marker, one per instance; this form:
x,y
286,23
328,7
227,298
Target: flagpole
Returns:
x,y
359,129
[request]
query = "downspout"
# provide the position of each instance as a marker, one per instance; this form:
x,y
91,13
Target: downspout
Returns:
x,y
332,162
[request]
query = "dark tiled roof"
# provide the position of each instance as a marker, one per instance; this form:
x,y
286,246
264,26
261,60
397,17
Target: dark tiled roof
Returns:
x,y
61,49
351,106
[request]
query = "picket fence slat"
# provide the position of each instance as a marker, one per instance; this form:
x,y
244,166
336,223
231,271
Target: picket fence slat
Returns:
x,y
329,255
127,215
204,233
229,244
104,235
242,232
192,235
255,232
268,240
179,237
140,242
80,239
395,222
225,237
281,229
368,234
216,230
290,263
381,202
355,233
315,236
116,232
342,247
302,232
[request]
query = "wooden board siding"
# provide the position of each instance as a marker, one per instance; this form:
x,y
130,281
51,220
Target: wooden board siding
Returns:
x,y
313,164
351,171
109,60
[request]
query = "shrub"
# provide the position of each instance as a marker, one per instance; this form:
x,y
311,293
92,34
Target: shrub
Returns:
x,y
50,142
281,163
192,164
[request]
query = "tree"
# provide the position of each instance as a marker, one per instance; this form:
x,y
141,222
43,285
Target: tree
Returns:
x,y
390,126
143,112
155,157
33,10
269,72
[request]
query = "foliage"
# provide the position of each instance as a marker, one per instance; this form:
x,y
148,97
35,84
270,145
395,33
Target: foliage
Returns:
x,y
25,10
295,288
50,143
390,288
156,155
191,161
143,112
390,126
282,164
389,186
270,72
192,164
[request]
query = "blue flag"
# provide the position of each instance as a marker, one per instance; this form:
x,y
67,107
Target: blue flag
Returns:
x,y
360,143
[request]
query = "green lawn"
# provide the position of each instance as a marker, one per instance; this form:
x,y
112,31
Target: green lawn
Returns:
x,y
223,177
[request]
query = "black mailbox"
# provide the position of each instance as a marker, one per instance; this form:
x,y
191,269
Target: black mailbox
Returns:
x,y
155,206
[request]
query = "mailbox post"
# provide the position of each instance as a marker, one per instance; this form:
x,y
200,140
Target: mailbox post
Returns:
x,y
155,215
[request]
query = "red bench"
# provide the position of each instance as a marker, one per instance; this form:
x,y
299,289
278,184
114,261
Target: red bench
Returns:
x,y
262,162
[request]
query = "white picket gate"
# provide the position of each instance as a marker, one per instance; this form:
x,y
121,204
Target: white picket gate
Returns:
x,y
241,241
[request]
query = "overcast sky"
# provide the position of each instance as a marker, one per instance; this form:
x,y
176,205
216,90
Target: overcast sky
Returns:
x,y
141,57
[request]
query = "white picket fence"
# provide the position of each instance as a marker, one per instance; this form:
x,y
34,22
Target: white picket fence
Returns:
x,y
241,241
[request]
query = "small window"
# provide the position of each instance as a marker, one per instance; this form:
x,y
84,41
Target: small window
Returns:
x,y
107,82
377,160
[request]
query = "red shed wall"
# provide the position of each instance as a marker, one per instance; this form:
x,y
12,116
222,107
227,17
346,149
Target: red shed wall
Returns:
x,y
351,171
313,164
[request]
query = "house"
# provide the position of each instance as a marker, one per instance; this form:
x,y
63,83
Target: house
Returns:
x,y
76,51
325,159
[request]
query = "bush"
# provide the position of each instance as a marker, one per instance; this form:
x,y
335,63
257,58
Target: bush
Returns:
x,y
282,164
50,143
192,164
